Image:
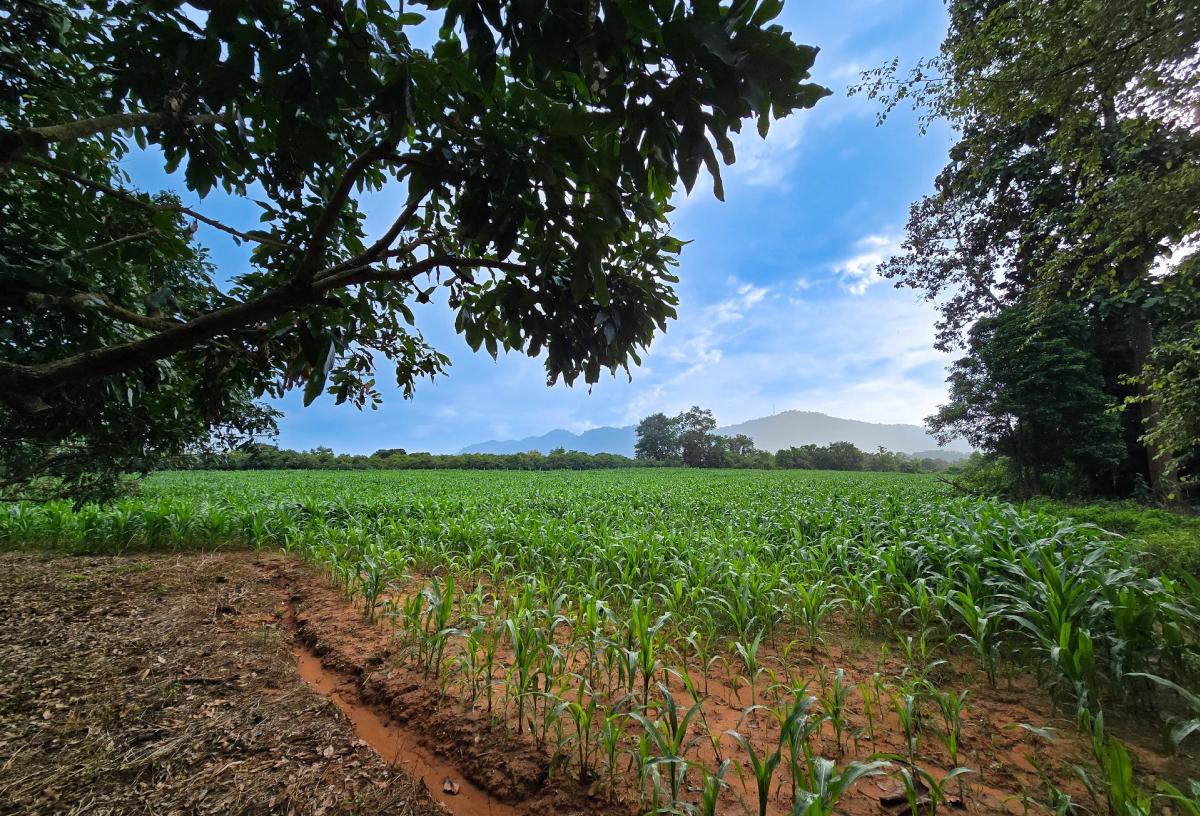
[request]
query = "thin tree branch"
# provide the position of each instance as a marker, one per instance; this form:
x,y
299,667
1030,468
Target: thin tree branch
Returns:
x,y
146,205
377,250
369,274
137,236
319,236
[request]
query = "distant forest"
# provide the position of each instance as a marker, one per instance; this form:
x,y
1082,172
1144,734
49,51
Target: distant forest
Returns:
x,y
836,456
718,452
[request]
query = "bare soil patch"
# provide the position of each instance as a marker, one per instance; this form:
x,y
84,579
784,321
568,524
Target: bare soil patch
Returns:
x,y
168,685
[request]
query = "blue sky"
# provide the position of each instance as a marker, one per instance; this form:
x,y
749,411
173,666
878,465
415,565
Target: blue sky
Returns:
x,y
780,308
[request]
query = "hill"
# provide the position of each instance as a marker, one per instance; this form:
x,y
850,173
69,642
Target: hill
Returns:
x,y
596,440
789,428
770,433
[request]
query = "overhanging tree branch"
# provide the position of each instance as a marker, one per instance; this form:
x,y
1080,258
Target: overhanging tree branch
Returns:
x,y
16,143
137,236
319,237
94,300
26,382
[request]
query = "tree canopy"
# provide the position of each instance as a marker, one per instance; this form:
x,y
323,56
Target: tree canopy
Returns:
x,y
535,146
657,438
1037,397
1075,178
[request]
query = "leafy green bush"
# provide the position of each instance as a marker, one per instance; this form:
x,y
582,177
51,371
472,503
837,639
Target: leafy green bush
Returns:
x,y
1169,540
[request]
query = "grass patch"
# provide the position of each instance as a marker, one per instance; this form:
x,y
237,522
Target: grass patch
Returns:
x,y
1169,539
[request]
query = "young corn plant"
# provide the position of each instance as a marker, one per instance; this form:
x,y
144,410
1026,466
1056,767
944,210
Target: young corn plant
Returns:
x,y
669,737
798,726
551,672
918,657
834,696
872,694
748,652
1115,789
437,625
924,605
924,791
815,603
583,711
714,783
701,645
373,574
823,785
412,627
981,633
612,736
763,767
527,644
471,663
643,635
951,707
907,706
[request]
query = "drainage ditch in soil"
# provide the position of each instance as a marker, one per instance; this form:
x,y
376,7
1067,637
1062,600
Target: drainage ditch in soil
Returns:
x,y
397,746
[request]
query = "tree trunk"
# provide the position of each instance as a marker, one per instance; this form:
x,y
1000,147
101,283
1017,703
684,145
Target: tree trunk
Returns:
x,y
1141,341
1140,335
1131,274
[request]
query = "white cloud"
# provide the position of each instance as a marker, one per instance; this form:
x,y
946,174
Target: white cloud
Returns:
x,y
850,71
693,345
858,272
868,358
768,162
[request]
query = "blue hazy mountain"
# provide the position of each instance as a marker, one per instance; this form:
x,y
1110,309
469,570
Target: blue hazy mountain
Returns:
x,y
770,433
596,440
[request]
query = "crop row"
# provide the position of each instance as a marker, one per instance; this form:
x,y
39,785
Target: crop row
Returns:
x,y
598,605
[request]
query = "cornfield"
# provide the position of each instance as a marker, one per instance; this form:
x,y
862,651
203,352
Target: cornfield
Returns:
x,y
588,612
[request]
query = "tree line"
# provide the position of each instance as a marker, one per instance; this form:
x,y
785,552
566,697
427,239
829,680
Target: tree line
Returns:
x,y
660,444
261,456
690,439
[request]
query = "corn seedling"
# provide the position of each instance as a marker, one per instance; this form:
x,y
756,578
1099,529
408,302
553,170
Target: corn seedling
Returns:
x,y
907,706
714,783
748,652
823,785
924,791
669,736
951,706
834,696
763,767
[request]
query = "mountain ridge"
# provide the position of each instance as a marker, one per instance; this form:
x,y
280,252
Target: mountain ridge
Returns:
x,y
782,430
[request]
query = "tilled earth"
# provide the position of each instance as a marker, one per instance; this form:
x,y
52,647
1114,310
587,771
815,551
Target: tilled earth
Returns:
x,y
167,684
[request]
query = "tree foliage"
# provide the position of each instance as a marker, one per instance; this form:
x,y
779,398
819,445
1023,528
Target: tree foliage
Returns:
x,y
260,456
1031,389
534,147
1076,171
657,438
699,443
691,438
